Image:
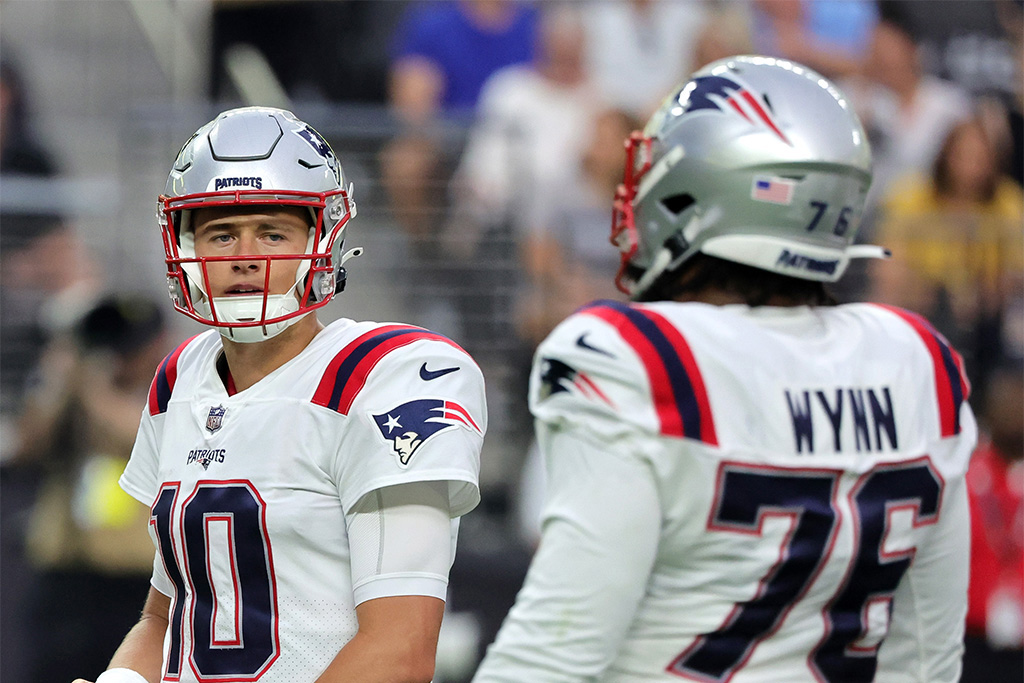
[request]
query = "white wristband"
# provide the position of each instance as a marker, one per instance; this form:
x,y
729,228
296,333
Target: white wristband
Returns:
x,y
121,676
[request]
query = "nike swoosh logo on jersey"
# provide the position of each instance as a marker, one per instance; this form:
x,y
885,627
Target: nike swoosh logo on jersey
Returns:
x,y
427,375
581,342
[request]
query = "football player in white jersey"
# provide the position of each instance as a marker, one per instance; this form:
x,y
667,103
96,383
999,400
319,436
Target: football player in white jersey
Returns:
x,y
747,482
305,481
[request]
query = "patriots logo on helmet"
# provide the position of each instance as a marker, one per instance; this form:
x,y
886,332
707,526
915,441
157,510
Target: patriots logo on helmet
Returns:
x,y
557,377
410,424
712,92
317,142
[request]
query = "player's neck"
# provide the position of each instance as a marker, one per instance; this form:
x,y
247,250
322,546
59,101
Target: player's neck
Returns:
x,y
249,363
713,296
723,297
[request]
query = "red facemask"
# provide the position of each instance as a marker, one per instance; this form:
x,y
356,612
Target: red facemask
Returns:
x,y
624,234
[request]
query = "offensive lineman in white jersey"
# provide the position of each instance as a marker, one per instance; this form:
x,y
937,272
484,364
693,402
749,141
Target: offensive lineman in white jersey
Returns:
x,y
747,483
305,481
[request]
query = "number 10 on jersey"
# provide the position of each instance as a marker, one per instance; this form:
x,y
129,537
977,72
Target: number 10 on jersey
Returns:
x,y
224,555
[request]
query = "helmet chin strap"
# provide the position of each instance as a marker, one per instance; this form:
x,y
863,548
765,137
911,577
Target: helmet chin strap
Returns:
x,y
242,309
675,250
661,261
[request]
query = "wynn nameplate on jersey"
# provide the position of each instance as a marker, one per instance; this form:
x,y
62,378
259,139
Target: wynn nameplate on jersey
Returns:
x,y
867,411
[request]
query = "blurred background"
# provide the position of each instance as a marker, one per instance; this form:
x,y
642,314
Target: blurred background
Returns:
x,y
484,139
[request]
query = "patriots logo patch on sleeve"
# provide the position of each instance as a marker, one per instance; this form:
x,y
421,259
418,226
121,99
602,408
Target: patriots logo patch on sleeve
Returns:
x,y
557,377
410,424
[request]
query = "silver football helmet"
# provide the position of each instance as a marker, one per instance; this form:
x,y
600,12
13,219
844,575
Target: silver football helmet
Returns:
x,y
256,156
755,160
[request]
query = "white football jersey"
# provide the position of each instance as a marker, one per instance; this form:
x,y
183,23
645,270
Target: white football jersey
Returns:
x,y
250,491
752,495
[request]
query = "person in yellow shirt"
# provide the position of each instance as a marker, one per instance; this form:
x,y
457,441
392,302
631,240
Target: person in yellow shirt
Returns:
x,y
957,239
86,539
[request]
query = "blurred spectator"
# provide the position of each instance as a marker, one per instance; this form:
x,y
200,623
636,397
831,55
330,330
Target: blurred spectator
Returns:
x,y
532,124
830,36
443,54
86,537
977,46
638,49
34,267
528,137
906,112
20,152
444,51
1011,15
45,274
42,263
958,246
725,32
530,119
1015,125
964,42
568,261
567,257
995,613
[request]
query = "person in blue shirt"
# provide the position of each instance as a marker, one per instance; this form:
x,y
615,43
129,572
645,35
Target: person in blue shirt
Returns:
x,y
444,51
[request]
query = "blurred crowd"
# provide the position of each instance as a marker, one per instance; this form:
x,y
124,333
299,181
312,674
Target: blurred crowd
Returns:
x,y
504,150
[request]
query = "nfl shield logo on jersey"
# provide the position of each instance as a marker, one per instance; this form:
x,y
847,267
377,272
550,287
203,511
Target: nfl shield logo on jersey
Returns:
x,y
215,418
407,426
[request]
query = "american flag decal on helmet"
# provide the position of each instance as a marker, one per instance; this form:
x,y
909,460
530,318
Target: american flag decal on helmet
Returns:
x,y
773,190
718,92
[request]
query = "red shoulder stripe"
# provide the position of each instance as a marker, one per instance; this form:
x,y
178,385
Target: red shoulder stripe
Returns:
x,y
679,393
163,383
951,384
682,348
347,372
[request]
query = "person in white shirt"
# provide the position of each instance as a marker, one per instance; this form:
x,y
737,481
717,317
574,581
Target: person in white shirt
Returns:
x,y
906,111
638,49
305,481
747,482
531,119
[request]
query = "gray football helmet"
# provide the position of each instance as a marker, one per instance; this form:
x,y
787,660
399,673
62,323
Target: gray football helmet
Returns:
x,y
755,160
265,156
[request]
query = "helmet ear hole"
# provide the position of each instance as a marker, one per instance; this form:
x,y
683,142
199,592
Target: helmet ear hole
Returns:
x,y
677,203
180,221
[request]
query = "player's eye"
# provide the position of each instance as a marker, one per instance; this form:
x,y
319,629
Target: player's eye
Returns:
x,y
214,236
